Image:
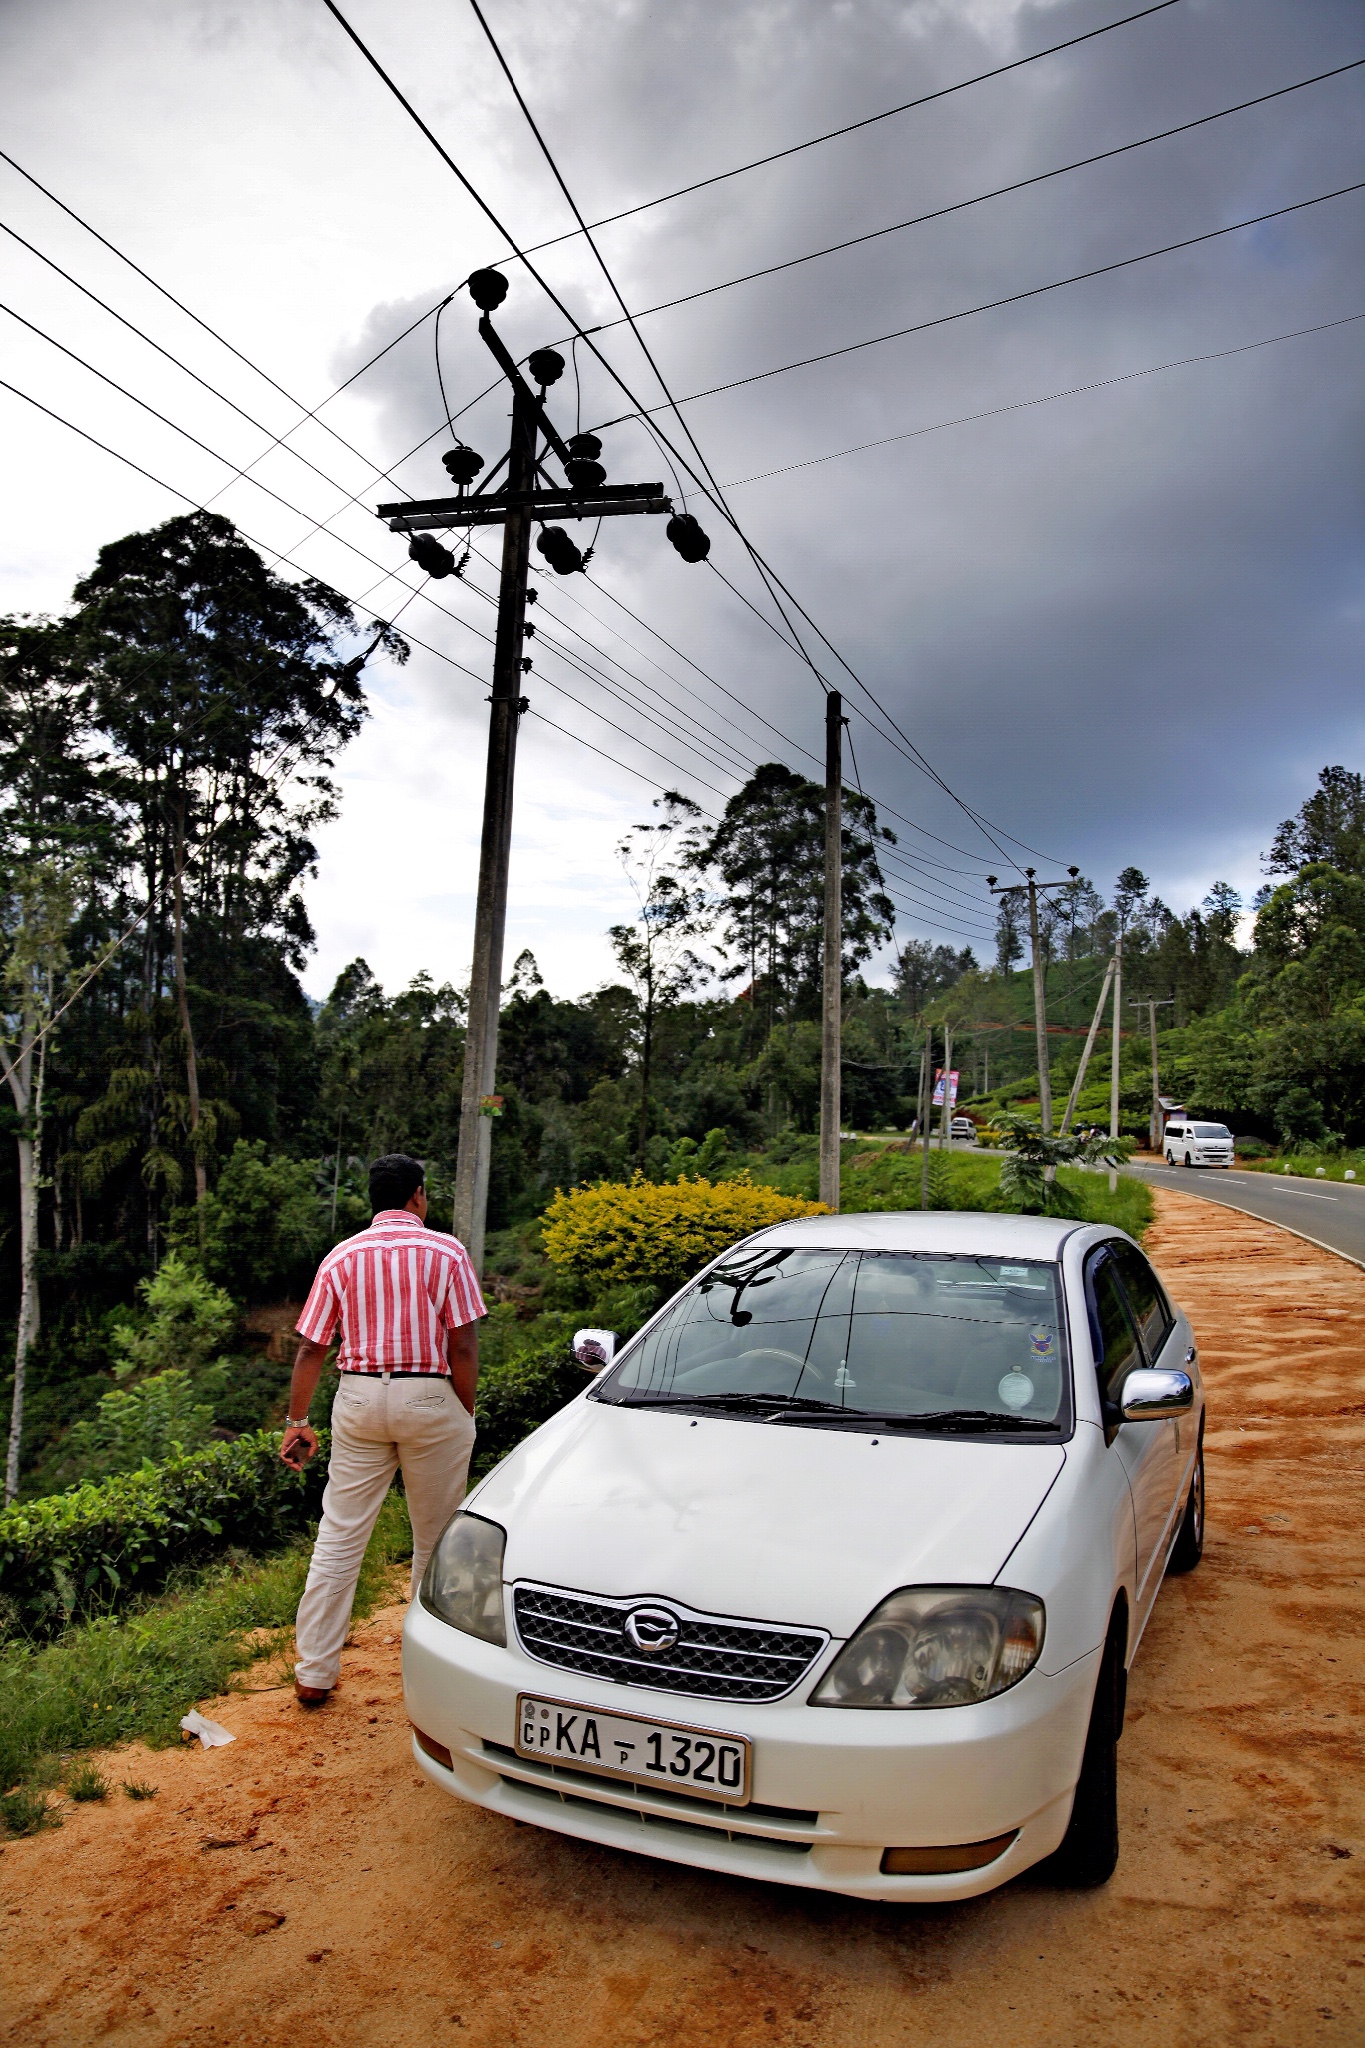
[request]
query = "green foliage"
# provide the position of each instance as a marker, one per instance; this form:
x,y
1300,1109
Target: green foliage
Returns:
x,y
96,1547
266,1224
26,1810
635,1231
1024,1185
190,1323
86,1782
128,1678
157,1419
138,1788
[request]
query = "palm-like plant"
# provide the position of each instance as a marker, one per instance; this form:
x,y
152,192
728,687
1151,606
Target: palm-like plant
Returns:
x,y
1026,1183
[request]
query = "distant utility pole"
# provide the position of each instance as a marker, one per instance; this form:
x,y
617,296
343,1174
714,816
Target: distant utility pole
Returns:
x,y
1151,1004
831,1098
516,508
926,1110
1032,888
1114,1055
1074,1097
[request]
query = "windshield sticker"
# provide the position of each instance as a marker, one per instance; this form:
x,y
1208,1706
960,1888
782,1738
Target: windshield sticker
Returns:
x,y
1016,1390
1042,1342
1023,1273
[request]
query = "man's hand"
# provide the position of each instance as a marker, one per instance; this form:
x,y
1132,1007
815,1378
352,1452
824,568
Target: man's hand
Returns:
x,y
300,1444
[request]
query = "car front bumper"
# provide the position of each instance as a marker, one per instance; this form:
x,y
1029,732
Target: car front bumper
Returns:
x,y
832,1787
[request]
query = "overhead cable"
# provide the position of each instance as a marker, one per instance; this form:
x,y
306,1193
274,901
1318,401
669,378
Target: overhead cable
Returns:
x,y
993,305
979,199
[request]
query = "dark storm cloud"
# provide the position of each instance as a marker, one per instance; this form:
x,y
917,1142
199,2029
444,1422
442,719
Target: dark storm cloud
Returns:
x,y
1126,625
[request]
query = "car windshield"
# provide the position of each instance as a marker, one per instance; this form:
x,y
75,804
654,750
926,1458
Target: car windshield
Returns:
x,y
835,1335
1211,1130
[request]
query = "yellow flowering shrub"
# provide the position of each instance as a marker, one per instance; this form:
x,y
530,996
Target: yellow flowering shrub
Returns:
x,y
640,1231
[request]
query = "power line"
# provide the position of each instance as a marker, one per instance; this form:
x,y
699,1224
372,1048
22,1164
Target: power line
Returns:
x,y
709,489
852,127
993,305
222,339
979,199
1047,398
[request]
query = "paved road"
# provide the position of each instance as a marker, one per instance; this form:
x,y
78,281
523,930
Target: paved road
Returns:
x,y
1330,1212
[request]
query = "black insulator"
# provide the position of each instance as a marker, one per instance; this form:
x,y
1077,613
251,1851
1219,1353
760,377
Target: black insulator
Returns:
x,y
428,554
462,465
559,551
687,537
546,365
488,289
585,444
583,473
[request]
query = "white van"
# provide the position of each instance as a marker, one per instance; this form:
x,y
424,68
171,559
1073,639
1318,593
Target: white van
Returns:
x,y
1197,1144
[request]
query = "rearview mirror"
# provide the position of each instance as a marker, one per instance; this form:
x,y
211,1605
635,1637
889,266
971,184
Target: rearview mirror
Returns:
x,y
1151,1392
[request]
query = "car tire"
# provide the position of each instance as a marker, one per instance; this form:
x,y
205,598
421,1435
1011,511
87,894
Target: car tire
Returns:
x,y
1188,1160
1188,1547
1089,1849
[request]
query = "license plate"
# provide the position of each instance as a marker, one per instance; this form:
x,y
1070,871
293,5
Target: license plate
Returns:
x,y
665,1753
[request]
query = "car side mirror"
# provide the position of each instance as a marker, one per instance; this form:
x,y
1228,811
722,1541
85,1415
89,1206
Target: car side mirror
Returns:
x,y
594,1349
1151,1392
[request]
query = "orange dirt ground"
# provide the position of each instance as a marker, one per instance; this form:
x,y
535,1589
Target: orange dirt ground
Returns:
x,y
307,1886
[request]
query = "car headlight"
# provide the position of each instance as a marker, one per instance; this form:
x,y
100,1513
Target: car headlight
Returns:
x,y
462,1583
936,1646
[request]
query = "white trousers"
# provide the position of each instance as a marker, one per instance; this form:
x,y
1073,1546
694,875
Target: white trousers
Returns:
x,y
415,1420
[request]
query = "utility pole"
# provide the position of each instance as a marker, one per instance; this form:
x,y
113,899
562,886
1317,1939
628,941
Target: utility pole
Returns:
x,y
926,1111
1079,1082
1114,1056
1151,1004
516,507
831,1103
945,1121
1032,887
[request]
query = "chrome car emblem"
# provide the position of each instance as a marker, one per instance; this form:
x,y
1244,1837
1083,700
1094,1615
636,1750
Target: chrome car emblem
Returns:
x,y
651,1630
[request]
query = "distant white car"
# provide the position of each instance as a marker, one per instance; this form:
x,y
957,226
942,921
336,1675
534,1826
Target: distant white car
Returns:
x,y
962,1127
1197,1144
834,1577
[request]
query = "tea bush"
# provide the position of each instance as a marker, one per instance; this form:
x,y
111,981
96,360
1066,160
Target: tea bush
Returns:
x,y
91,1549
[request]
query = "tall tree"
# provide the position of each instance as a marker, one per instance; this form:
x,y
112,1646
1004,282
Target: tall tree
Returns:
x,y
1329,826
654,950
225,697
768,851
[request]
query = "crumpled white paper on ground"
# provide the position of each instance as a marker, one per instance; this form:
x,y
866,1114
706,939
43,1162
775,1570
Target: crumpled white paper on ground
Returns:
x,y
212,1734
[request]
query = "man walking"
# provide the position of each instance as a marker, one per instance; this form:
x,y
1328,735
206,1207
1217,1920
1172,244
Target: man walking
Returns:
x,y
408,1304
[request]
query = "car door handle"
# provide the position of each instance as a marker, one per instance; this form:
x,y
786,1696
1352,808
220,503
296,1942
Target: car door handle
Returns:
x,y
1191,1355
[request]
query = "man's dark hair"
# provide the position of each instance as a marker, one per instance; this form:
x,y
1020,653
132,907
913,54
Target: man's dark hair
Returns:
x,y
394,1180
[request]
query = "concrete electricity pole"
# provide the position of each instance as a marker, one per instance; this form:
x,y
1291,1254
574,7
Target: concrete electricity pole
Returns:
x,y
831,1099
1031,888
516,507
1151,1004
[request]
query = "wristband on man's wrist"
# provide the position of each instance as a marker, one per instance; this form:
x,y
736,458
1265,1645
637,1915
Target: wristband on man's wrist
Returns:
x,y
290,1423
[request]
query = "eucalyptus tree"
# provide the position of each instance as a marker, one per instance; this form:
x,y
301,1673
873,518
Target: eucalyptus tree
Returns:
x,y
654,950
225,699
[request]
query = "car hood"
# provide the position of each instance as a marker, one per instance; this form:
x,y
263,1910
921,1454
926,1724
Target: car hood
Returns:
x,y
807,1526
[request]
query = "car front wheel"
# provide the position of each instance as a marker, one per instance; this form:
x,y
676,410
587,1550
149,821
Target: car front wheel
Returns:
x,y
1188,1160
1188,1547
1090,1847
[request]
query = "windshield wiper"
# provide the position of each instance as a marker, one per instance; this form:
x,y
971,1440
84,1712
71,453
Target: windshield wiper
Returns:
x,y
747,1402
971,1421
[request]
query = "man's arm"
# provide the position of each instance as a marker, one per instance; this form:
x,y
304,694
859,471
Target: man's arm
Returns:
x,y
462,1354
300,1442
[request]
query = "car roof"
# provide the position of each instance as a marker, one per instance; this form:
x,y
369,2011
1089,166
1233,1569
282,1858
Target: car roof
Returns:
x,y
973,1233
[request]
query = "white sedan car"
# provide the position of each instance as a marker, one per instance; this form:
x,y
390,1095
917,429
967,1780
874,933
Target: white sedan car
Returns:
x,y
835,1576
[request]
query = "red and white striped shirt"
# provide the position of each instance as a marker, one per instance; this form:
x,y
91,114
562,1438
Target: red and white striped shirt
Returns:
x,y
395,1289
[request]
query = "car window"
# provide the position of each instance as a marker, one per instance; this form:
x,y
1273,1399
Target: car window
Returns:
x,y
1116,1338
1210,1131
1151,1311
894,1334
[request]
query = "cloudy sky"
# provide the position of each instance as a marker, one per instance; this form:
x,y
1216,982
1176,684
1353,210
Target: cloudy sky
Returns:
x,y
1122,624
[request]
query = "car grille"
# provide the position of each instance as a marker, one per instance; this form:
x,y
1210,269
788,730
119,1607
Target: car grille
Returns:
x,y
715,1657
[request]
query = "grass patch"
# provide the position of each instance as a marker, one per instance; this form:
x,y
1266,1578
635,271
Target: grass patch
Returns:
x,y
130,1677
138,1788
1312,1165
26,1810
86,1782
